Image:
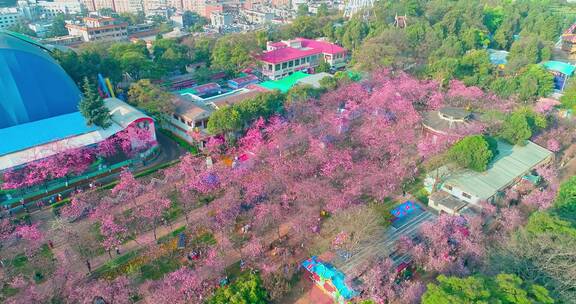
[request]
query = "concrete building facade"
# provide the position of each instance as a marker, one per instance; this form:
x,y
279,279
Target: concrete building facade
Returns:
x,y
286,57
99,29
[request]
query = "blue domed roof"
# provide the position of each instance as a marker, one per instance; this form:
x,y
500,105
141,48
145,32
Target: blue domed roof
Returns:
x,y
32,84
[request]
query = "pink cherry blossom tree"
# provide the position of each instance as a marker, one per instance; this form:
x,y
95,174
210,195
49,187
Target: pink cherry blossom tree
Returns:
x,y
153,209
118,291
179,287
128,186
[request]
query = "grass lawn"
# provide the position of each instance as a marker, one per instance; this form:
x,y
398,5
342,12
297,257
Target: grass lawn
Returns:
x,y
156,269
38,268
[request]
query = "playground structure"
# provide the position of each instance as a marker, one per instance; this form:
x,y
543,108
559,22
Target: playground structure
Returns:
x,y
105,88
329,279
400,21
355,6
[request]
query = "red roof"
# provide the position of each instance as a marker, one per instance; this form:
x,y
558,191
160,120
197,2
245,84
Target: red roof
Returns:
x,y
309,47
206,87
278,44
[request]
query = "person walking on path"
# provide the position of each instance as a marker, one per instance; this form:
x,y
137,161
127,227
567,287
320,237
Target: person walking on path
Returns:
x,y
89,266
117,250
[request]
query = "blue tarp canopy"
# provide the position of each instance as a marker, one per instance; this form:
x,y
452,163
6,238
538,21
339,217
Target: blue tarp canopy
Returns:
x,y
328,272
560,67
498,57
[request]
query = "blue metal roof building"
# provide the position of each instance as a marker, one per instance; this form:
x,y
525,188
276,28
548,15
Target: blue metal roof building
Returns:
x,y
32,84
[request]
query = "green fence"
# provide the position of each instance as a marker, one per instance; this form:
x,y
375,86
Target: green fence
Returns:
x,y
62,183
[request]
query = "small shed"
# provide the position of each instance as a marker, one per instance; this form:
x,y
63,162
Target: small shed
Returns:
x,y
242,82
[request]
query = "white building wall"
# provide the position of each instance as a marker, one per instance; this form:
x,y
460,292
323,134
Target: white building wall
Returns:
x,y
9,17
462,195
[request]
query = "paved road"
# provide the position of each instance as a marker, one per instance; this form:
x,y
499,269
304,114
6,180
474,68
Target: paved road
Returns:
x,y
384,244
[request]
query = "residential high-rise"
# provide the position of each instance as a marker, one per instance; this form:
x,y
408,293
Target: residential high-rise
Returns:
x,y
128,6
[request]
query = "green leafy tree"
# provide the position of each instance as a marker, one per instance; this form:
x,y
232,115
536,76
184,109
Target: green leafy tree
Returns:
x,y
170,54
503,37
322,67
22,29
493,17
151,98
328,83
58,27
504,289
323,10
535,82
132,18
527,50
355,32
302,93
516,130
568,99
106,11
520,126
92,107
247,289
474,39
238,116
472,152
233,53
224,120
305,26
302,10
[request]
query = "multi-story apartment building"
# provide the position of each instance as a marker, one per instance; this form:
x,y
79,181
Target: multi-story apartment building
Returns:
x,y
286,57
99,29
128,6
256,16
51,9
154,6
220,20
95,5
9,17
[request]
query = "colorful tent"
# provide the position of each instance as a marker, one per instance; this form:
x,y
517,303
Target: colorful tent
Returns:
x,y
329,279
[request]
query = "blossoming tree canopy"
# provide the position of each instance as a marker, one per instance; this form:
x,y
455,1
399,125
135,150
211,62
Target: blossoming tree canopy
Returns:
x,y
77,160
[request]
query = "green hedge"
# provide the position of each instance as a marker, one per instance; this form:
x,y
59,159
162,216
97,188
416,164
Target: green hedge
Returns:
x,y
61,203
156,168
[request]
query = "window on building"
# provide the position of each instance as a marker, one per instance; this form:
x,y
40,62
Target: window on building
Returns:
x,y
269,67
290,64
277,67
466,195
175,116
297,62
189,123
284,65
182,120
198,124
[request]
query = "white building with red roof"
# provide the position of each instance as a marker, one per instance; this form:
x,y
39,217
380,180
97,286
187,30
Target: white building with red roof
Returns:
x,y
286,57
